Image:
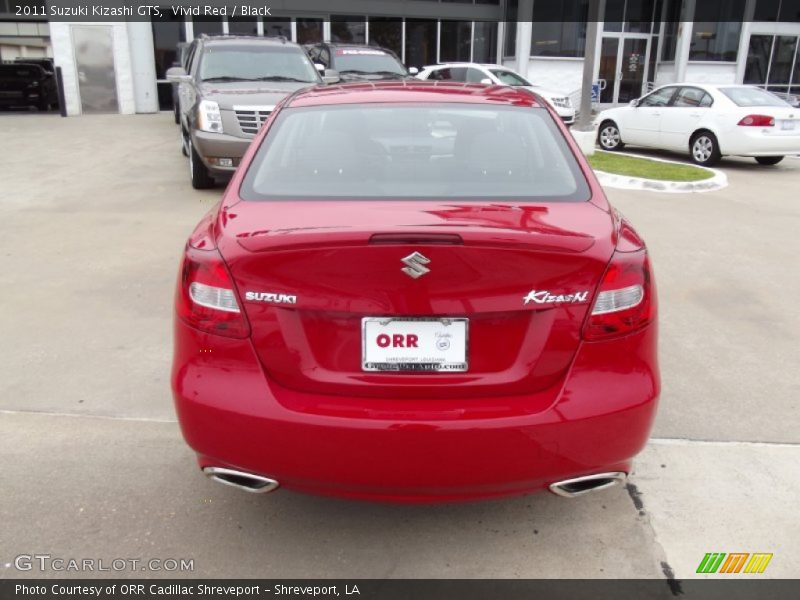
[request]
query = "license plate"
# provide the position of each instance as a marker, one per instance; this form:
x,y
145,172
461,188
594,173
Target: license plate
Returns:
x,y
412,344
787,125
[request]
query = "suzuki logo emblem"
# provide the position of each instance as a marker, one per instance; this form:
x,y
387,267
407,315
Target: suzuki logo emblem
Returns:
x,y
415,265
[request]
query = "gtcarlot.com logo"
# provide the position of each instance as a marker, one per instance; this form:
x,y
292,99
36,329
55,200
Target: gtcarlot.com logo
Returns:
x,y
734,562
47,562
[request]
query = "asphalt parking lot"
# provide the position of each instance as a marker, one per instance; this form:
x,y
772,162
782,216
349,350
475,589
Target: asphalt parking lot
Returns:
x,y
94,214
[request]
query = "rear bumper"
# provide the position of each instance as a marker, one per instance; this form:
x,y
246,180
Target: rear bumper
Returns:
x,y
752,141
233,416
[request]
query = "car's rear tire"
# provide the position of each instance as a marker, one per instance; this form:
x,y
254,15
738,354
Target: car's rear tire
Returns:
x,y
177,115
184,143
201,178
609,137
704,149
768,160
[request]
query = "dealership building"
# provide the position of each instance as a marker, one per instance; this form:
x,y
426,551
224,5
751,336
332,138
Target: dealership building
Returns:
x,y
121,66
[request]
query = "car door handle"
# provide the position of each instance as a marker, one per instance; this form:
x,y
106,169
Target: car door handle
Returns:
x,y
694,114
656,114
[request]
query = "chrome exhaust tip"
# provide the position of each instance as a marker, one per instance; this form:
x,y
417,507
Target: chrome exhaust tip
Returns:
x,y
255,484
570,488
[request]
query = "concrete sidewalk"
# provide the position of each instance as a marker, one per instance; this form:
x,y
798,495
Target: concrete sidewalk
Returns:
x,y
94,215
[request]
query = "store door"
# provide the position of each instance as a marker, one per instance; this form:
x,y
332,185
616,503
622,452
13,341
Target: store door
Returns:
x,y
94,59
623,67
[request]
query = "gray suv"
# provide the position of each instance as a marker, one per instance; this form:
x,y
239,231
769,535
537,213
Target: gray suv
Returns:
x,y
226,91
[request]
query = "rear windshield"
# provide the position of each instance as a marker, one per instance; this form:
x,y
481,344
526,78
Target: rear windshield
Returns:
x,y
509,77
441,151
21,72
357,60
745,96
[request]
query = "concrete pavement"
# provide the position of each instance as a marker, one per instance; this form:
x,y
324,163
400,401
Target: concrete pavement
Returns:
x,y
94,213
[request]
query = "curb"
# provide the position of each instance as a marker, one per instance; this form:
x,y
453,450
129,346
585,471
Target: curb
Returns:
x,y
625,182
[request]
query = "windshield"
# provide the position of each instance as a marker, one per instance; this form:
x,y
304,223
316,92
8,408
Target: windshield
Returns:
x,y
256,62
749,96
436,151
509,77
367,61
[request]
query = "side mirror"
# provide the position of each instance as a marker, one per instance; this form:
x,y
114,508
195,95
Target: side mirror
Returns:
x,y
319,67
178,75
413,71
331,76
634,103
486,81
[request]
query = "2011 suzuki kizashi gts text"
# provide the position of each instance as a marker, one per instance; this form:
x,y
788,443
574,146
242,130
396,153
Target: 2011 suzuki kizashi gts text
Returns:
x,y
415,292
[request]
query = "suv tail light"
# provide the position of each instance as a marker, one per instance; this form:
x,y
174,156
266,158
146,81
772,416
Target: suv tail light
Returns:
x,y
625,300
206,297
757,121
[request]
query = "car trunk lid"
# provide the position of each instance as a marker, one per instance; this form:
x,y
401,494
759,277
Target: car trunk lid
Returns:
x,y
522,275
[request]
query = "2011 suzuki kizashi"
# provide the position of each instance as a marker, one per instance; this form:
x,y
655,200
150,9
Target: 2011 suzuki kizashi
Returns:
x,y
415,292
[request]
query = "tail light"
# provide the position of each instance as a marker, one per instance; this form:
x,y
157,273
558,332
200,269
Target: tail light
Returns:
x,y
206,297
625,300
757,121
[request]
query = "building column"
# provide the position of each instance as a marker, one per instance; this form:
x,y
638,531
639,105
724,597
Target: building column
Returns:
x,y
744,40
524,34
143,66
684,41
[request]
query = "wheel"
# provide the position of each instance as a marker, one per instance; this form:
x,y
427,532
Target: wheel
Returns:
x,y
768,160
177,115
704,149
201,179
184,143
608,136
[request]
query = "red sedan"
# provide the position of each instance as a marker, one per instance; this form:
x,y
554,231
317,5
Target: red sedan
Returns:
x,y
415,292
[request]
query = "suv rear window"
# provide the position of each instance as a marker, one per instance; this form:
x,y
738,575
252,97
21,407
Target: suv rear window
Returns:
x,y
746,96
366,60
430,151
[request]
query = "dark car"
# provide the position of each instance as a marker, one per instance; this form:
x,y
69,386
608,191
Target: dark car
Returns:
x,y
27,84
46,63
358,62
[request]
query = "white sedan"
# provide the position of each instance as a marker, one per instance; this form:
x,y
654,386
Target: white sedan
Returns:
x,y
708,121
498,75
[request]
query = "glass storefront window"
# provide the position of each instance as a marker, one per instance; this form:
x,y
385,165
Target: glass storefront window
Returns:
x,y
783,52
309,31
242,27
168,32
671,22
638,16
510,45
614,15
774,63
275,27
484,46
758,55
349,29
635,16
455,41
420,42
559,28
785,11
387,33
716,31
207,25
